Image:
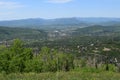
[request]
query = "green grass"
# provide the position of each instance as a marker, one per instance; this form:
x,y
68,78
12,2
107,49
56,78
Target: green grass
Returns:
x,y
72,75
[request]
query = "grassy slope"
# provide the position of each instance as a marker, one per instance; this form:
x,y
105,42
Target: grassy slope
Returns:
x,y
76,74
72,75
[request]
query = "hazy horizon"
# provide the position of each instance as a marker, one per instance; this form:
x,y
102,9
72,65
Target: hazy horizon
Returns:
x,y
59,18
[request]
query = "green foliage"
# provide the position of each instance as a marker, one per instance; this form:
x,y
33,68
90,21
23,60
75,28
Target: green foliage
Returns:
x,y
50,61
13,59
71,75
17,59
83,62
34,65
4,60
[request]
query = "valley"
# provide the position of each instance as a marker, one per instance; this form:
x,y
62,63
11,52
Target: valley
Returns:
x,y
70,49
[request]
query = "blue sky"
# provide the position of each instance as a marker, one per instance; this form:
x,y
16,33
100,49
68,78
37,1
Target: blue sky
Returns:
x,y
19,9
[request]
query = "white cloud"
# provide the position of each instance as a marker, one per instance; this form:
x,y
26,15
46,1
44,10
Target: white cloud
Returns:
x,y
10,5
59,1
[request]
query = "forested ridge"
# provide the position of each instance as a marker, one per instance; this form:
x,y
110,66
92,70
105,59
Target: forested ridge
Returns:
x,y
7,33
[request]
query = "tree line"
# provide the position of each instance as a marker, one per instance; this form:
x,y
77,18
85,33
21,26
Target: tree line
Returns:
x,y
19,59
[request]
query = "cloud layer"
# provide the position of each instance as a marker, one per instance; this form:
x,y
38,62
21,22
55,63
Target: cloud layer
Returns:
x,y
59,1
10,5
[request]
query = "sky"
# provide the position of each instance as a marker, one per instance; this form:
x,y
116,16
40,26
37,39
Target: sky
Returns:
x,y
49,9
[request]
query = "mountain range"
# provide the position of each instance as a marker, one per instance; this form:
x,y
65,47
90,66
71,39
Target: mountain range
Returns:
x,y
40,23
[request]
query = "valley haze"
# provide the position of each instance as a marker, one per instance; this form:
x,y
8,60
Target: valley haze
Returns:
x,y
41,23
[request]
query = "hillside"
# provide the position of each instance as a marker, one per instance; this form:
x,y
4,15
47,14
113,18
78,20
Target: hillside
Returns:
x,y
98,30
7,33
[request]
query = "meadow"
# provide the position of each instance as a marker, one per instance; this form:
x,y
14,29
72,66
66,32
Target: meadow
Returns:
x,y
78,74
